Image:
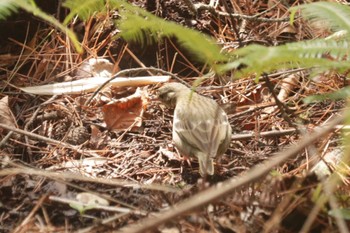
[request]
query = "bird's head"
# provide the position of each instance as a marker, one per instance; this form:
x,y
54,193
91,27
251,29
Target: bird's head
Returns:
x,y
170,92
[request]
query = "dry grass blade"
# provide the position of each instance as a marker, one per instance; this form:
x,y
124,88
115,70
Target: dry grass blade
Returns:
x,y
91,84
70,176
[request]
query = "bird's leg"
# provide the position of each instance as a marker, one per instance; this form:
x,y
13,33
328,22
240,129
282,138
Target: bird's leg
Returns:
x,y
203,182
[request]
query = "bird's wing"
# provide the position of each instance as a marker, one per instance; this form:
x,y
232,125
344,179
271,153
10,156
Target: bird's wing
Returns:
x,y
221,131
203,135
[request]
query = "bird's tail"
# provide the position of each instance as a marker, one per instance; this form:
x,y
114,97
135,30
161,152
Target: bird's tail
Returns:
x,y
206,165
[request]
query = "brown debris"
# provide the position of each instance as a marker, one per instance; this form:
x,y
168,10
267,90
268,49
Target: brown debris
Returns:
x,y
126,113
119,146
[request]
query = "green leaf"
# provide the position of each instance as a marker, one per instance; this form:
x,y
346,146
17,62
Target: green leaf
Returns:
x,y
317,193
328,14
340,94
7,7
83,8
344,213
308,54
320,54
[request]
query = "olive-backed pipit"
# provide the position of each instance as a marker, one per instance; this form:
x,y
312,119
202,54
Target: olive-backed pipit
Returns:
x,y
200,128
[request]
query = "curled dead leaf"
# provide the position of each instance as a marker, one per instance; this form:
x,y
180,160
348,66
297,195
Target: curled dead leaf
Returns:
x,y
126,112
6,116
95,67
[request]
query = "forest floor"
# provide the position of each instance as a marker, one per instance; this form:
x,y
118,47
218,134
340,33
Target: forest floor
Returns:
x,y
129,174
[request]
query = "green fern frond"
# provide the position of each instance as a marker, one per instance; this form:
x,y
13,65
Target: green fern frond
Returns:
x,y
307,54
83,8
31,8
143,27
338,50
337,95
334,15
139,25
9,6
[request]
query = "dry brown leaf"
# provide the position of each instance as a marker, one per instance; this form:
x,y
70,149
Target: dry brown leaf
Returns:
x,y
288,29
96,136
6,116
7,60
126,112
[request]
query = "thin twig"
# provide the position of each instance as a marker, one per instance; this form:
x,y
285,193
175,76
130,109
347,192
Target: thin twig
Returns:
x,y
31,120
329,186
191,6
273,133
268,9
98,222
233,23
67,176
201,6
30,216
95,206
282,107
329,191
5,139
49,140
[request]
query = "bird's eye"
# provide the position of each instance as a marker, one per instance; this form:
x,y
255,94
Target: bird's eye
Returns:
x,y
168,98
162,95
167,95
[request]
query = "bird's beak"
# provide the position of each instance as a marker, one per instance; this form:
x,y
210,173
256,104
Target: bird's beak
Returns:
x,y
155,97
